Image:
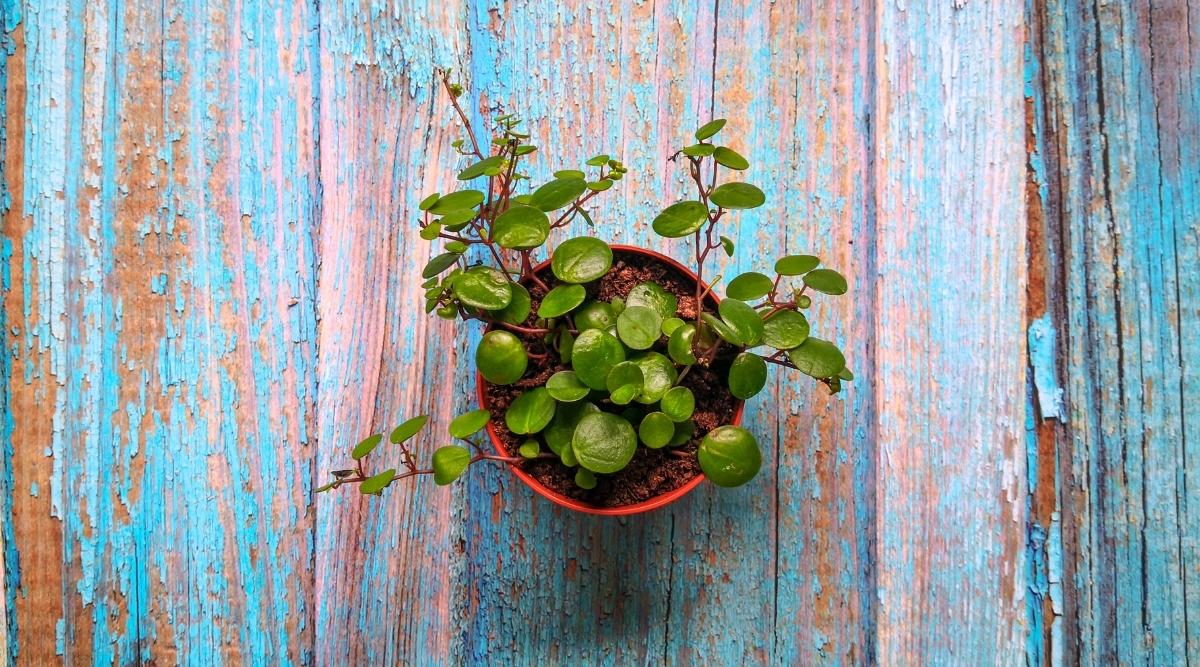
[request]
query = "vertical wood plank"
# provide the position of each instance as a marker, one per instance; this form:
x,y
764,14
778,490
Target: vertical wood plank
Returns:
x,y
948,178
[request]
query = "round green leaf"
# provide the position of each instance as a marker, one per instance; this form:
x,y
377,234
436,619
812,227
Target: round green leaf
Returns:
x,y
670,324
408,429
481,167
428,201
652,295
517,310
530,412
748,286
570,173
680,219
604,442
449,462
785,330
737,195
594,354
566,343
745,321
727,245
699,150
624,382
367,446
581,260
585,479
639,327
600,185
558,434
796,265
726,332
817,358
596,315
521,228
747,375
683,433
457,247
456,220
376,483
501,357
431,232
678,403
598,160
561,300
827,281
729,456
483,287
730,158
468,424
709,129
530,449
656,430
565,386
439,264
659,375
457,201
679,345
557,193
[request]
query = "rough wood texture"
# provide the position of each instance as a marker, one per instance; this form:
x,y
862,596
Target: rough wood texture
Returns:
x,y
209,294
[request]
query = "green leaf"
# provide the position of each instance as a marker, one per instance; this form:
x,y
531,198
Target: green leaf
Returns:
x,y
517,310
456,247
656,430
431,232
659,376
470,423
846,375
456,220
558,193
737,196
521,228
730,158
429,201
561,300
699,150
457,201
604,442
565,386
680,219
744,320
727,245
449,462
480,168
367,446
719,327
624,382
747,375
748,286
585,479
709,129
785,330
530,412
639,327
501,357
670,324
598,161
566,344
679,345
596,315
439,264
570,173
683,433
678,403
483,287
827,281
729,456
530,449
377,483
796,265
652,295
525,150
581,260
600,185
558,434
817,358
594,355
408,429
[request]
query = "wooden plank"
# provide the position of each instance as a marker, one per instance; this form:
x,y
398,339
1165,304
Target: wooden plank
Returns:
x,y
948,181
160,311
1120,104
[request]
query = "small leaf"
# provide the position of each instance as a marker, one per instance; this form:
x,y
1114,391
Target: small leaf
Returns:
x,y
699,150
846,375
558,434
501,358
624,382
598,161
727,245
449,462
604,442
483,287
709,129
470,423
596,315
656,430
600,185
557,193
585,479
658,374
566,345
456,247
481,167
517,310
570,173
748,286
737,196
581,260
679,345
729,456
408,429
785,330
796,265
439,264
525,150
678,403
639,327
680,219
743,319
457,201
565,386
594,355
456,220
429,201
530,412
431,231
747,375
521,228
719,327
670,324
817,358
561,300
652,295
377,483
827,281
366,446
530,449
730,158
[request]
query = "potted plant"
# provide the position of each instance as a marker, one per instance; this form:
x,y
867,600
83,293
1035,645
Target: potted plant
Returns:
x,y
611,379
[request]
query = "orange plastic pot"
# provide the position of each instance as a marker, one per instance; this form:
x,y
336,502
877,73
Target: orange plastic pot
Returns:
x,y
578,505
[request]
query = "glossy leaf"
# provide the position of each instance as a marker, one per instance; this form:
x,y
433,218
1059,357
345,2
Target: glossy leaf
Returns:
x,y
652,295
530,449
680,219
566,344
598,160
604,442
817,358
727,246
729,456
720,328
561,300
521,228
376,483
826,281
439,264
449,462
785,330
624,382
408,429
530,412
656,430
501,357
562,428
470,423
565,386
684,431
744,320
749,286
796,265
570,173
678,403
594,355
517,310
557,193
480,168
699,150
709,129
456,220
581,260
737,196
584,478
670,324
730,158
747,375
658,375
428,202
457,201
639,327
595,315
483,287
367,446
431,232
679,345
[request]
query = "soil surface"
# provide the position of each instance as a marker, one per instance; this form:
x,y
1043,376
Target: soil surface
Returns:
x,y
652,472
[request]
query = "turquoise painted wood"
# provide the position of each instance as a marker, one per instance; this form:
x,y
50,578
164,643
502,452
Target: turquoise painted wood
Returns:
x,y
207,269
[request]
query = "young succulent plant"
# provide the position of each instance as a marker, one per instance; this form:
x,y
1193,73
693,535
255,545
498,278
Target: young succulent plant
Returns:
x,y
622,360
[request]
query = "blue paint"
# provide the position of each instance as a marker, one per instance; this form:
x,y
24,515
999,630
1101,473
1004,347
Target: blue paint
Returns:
x,y
1043,357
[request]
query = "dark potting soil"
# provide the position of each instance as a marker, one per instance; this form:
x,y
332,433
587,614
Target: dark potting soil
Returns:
x,y
652,472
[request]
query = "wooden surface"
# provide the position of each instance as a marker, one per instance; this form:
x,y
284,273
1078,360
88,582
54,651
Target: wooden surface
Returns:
x,y
208,268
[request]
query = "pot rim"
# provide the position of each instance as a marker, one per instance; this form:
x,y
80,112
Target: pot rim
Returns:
x,y
578,505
